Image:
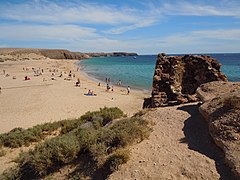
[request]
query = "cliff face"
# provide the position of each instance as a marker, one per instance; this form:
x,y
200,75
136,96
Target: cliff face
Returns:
x,y
60,54
221,109
176,78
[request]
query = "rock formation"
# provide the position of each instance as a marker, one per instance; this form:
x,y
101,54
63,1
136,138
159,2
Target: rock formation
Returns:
x,y
221,109
176,78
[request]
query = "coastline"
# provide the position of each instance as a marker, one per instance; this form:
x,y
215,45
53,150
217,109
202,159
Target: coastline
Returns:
x,y
102,79
28,103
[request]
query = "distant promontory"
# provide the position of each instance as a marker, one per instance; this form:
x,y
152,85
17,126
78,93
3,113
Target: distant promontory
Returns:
x,y
55,53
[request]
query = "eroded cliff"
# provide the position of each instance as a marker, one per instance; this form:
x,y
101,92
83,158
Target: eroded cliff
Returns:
x,y
176,78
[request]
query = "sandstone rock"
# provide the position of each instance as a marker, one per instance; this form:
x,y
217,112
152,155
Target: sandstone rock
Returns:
x,y
221,109
213,89
176,78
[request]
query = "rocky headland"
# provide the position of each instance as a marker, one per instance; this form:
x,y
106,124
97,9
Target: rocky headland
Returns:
x,y
176,78
221,109
190,78
31,53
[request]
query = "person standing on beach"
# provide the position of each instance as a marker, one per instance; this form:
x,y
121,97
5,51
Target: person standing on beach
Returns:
x,y
119,83
128,90
108,88
3,72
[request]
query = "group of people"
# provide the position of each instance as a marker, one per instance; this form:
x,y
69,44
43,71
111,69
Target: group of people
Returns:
x,y
119,83
91,93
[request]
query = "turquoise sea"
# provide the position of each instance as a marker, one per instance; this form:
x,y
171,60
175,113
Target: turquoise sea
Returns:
x,y
138,72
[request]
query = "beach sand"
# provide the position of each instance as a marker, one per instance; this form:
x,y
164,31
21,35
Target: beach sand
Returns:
x,y
28,103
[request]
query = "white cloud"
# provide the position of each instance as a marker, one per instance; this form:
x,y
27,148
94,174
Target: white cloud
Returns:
x,y
222,34
122,29
118,19
53,13
45,32
201,8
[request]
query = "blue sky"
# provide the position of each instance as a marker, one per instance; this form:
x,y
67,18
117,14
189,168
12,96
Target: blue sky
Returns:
x,y
142,26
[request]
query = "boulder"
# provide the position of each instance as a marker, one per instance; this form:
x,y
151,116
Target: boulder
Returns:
x,y
221,109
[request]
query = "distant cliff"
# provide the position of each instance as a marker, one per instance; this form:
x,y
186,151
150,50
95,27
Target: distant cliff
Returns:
x,y
58,53
176,78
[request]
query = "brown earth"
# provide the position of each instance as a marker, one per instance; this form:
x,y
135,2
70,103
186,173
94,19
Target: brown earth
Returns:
x,y
180,147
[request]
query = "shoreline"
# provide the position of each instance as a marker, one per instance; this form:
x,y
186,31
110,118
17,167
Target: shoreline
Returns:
x,y
28,103
95,79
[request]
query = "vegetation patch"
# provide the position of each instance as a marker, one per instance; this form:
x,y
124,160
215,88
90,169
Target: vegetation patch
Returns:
x,y
24,137
104,116
104,148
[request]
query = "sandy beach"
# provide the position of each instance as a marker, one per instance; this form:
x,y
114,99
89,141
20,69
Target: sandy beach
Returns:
x,y
25,103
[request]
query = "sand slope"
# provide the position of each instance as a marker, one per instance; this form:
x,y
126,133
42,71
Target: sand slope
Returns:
x,y
178,148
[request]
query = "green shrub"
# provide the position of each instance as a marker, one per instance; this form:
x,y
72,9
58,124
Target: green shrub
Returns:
x,y
50,155
10,174
128,131
69,125
99,145
116,159
104,116
19,136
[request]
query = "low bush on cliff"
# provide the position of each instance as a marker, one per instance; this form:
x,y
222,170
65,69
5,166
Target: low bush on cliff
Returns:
x,y
102,147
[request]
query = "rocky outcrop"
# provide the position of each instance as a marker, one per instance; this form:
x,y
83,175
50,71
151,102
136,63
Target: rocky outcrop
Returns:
x,y
176,78
221,109
123,54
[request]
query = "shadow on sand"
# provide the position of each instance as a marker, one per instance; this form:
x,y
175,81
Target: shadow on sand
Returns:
x,y
198,139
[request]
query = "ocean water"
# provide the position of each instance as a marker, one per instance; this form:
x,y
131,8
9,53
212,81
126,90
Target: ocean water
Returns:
x,y
138,72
